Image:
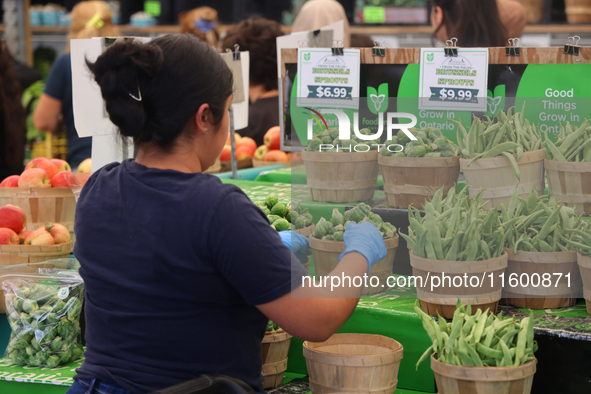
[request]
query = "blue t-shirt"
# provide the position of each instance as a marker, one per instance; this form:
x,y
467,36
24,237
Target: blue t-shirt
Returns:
x,y
59,86
173,265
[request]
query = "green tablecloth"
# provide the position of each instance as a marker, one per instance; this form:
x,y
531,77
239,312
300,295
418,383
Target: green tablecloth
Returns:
x,y
295,175
15,379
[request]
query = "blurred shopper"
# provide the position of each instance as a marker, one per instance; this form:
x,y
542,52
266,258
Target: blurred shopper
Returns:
x,y
201,22
12,125
258,36
477,23
316,14
89,19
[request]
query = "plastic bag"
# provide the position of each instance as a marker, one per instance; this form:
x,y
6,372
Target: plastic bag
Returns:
x,y
44,314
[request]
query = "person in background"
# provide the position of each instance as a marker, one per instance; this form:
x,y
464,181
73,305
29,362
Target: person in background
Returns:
x,y
12,124
203,23
89,19
258,36
477,23
316,14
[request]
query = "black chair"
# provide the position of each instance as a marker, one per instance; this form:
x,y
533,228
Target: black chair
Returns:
x,y
209,384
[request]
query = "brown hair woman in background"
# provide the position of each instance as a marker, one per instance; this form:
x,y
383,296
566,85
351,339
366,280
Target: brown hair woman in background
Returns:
x,y
12,126
478,23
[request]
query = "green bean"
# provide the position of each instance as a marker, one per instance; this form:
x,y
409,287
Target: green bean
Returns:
x,y
506,355
556,154
488,352
513,164
521,342
473,355
425,356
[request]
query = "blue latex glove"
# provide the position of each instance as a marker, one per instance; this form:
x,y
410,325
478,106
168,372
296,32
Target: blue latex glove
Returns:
x,y
364,238
299,245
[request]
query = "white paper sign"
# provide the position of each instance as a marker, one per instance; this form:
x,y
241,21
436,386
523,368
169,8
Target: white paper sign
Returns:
x,y
453,83
328,80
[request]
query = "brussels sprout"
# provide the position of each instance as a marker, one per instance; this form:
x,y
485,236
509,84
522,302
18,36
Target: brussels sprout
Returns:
x,y
281,225
17,304
59,308
376,220
320,230
291,217
23,292
340,227
447,153
39,314
356,214
17,343
314,145
366,209
66,355
434,134
53,361
387,226
337,217
333,132
56,344
417,151
74,311
279,209
337,236
30,351
402,137
265,210
421,135
50,333
327,238
295,207
35,344
433,154
400,154
25,318
273,218
30,305
384,151
300,222
14,315
347,223
78,352
271,201
329,227
309,218
327,139
344,145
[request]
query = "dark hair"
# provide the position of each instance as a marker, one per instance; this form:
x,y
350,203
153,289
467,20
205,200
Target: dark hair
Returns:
x,y
174,75
258,36
12,130
361,41
475,23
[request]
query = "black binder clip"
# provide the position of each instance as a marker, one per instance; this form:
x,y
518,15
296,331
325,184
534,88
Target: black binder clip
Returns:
x,y
452,49
236,54
572,47
337,48
378,50
513,49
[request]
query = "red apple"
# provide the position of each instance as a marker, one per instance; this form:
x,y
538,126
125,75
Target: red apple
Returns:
x,y
260,153
247,142
296,156
237,138
11,181
61,165
226,154
8,236
22,236
244,153
39,237
273,138
60,234
63,179
276,155
85,166
13,218
34,177
43,163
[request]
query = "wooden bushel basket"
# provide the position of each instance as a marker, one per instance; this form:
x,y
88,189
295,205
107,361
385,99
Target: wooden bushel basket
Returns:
x,y
341,177
413,180
578,11
585,268
353,363
42,205
443,299
306,232
558,295
261,163
26,254
275,349
452,379
496,177
570,183
326,258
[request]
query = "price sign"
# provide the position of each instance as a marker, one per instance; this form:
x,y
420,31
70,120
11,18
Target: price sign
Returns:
x,y
453,83
330,92
327,80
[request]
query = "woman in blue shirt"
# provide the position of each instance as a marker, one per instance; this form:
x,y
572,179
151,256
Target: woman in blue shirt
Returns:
x,y
181,271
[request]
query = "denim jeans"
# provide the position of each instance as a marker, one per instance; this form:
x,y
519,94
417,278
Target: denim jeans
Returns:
x,y
94,386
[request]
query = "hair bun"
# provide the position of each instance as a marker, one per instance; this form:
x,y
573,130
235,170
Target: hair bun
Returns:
x,y
119,71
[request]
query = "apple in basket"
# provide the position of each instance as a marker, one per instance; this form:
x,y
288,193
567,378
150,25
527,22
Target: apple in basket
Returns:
x,y
39,237
34,177
43,163
61,165
8,237
60,234
11,181
22,235
13,218
85,166
63,179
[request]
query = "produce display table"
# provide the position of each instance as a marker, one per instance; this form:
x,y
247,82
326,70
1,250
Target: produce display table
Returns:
x,y
15,379
295,175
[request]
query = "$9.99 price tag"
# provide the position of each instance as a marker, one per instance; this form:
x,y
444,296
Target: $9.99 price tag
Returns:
x,y
453,83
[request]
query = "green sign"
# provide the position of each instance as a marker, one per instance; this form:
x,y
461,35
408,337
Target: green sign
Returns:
x,y
374,14
153,8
